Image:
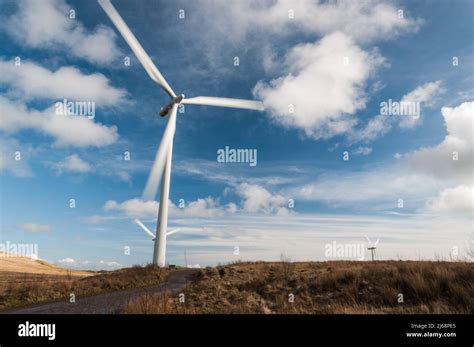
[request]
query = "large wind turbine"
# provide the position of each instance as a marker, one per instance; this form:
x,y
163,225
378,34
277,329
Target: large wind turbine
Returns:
x,y
161,168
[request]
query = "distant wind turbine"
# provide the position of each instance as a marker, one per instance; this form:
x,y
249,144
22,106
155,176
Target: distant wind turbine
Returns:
x,y
372,247
161,168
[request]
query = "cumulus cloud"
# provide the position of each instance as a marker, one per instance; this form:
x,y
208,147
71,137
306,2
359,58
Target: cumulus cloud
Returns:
x,y
312,77
452,160
440,160
75,131
257,199
138,208
46,24
322,88
72,163
134,207
459,199
32,81
433,179
207,207
36,228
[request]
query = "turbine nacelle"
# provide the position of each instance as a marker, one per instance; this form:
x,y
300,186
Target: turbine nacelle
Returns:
x,y
176,100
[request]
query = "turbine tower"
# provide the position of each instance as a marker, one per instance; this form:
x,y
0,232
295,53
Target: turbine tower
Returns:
x,y
161,168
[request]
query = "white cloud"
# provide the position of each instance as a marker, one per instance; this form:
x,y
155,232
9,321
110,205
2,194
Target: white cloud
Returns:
x,y
379,125
134,207
425,95
72,163
257,199
377,188
362,150
46,24
324,91
365,21
453,200
36,228
76,131
438,160
207,207
427,179
89,264
264,26
67,261
110,263
375,127
32,81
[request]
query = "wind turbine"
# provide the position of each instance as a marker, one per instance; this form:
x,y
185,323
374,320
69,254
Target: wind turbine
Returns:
x,y
161,168
372,247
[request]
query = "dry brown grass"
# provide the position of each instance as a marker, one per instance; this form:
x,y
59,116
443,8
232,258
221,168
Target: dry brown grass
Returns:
x,y
12,264
322,288
28,289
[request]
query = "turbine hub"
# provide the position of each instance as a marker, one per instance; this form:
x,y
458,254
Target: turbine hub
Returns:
x,y
176,100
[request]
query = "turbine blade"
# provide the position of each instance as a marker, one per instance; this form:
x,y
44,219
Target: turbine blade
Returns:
x,y
224,102
145,229
368,240
376,242
171,232
136,47
158,166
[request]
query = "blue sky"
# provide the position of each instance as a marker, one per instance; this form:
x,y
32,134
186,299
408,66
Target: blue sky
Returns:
x,y
336,63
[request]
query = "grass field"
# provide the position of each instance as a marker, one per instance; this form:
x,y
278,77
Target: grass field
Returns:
x,y
23,289
322,288
264,288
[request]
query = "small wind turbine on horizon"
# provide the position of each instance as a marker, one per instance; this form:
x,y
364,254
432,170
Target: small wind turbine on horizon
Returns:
x,y
161,168
372,247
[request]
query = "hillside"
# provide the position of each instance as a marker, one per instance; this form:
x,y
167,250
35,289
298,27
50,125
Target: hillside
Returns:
x,y
25,265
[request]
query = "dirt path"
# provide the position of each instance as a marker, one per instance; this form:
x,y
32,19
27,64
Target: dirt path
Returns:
x,y
110,302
